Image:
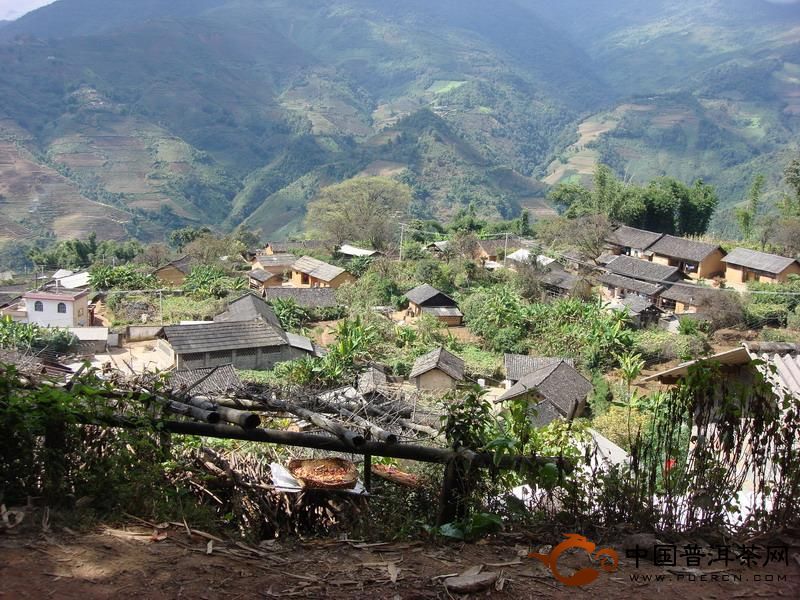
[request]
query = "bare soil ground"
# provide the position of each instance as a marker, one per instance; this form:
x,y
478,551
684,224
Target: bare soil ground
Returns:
x,y
138,561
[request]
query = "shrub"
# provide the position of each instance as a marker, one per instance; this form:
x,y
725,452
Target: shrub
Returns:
x,y
758,315
621,425
793,322
662,345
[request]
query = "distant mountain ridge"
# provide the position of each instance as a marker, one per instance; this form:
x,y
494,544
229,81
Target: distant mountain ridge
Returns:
x,y
234,112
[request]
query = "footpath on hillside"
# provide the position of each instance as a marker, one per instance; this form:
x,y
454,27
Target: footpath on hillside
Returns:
x,y
173,561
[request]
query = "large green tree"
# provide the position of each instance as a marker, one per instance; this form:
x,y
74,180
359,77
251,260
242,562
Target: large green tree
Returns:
x,y
365,209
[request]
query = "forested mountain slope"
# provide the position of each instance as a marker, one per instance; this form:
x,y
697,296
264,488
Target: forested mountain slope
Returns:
x,y
230,112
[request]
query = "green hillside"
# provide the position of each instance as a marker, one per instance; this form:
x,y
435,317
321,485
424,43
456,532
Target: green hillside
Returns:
x,y
231,112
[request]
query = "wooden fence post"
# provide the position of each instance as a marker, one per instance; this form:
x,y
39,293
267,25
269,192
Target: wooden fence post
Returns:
x,y
458,483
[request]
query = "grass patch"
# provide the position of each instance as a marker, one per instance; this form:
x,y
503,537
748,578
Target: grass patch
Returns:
x,y
443,86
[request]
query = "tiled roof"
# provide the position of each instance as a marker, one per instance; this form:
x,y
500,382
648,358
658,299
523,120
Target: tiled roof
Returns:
x,y
425,293
212,337
630,237
184,264
559,384
441,359
560,279
249,307
692,295
317,268
300,341
217,380
642,269
276,260
305,297
261,275
632,285
759,261
683,249
519,365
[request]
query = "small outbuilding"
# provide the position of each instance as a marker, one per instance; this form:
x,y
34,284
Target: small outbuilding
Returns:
x,y
437,371
175,272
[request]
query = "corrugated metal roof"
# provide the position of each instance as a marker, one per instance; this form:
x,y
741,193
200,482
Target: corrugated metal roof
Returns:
x,y
212,337
317,268
441,359
348,250
442,311
301,342
759,261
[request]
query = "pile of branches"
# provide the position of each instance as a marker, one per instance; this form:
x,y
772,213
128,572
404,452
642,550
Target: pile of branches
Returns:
x,y
240,485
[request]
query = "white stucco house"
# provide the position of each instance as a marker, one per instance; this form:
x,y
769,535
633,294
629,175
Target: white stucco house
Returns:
x,y
57,309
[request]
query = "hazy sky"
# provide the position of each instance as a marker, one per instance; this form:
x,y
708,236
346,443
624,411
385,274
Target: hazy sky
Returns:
x,y
11,9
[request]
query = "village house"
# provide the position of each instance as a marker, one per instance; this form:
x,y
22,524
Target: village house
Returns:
x,y
438,248
426,299
260,280
243,344
744,266
57,309
305,297
777,363
249,308
518,365
696,260
631,241
554,391
688,298
91,340
175,273
641,312
308,272
437,371
630,275
487,251
524,256
277,264
558,283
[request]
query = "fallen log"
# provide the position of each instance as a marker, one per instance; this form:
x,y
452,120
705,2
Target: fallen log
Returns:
x,y
245,419
376,432
350,438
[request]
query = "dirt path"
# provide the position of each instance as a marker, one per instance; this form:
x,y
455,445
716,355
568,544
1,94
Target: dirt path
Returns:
x,y
140,562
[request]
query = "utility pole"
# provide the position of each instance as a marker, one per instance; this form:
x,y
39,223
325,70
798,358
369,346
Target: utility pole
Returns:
x,y
505,251
161,305
402,238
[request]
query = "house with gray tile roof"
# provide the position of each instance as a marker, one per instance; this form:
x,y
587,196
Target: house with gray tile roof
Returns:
x,y
519,365
743,266
697,260
426,299
438,370
631,241
554,391
310,272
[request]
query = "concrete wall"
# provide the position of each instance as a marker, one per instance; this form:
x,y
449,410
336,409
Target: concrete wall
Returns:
x,y
77,314
142,333
435,380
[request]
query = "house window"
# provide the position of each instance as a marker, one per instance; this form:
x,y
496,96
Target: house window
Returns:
x,y
304,278
62,308
38,306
